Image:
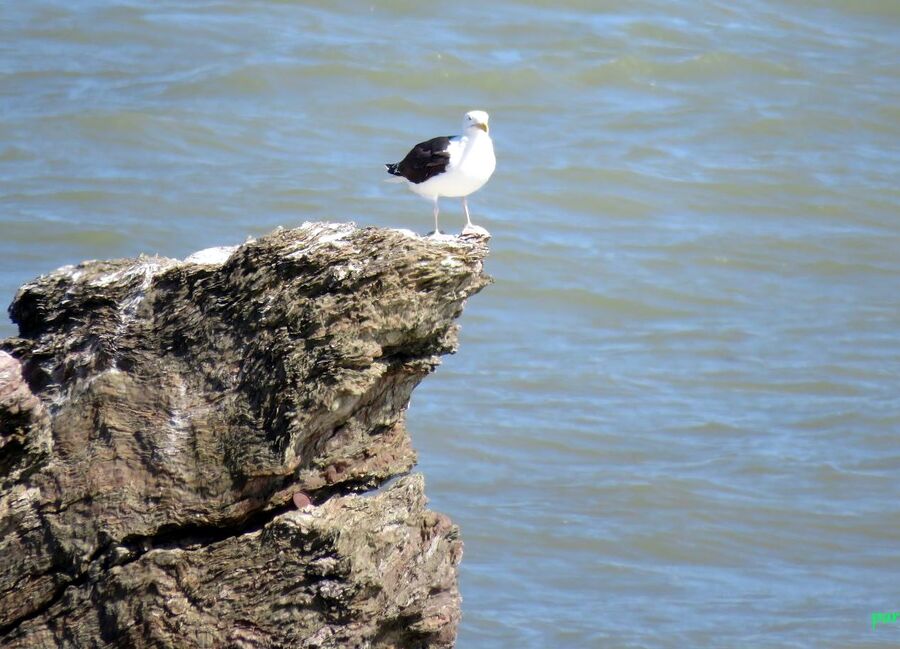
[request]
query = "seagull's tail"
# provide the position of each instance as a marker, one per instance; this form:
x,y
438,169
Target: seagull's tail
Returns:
x,y
395,174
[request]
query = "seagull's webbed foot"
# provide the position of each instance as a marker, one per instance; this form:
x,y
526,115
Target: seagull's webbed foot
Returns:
x,y
472,230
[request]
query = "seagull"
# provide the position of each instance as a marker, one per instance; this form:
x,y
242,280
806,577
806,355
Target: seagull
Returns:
x,y
453,166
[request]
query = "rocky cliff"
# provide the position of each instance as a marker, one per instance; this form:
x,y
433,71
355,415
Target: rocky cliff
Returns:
x,y
200,453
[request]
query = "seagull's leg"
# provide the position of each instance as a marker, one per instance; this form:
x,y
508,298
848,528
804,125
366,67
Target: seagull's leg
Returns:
x,y
466,210
436,211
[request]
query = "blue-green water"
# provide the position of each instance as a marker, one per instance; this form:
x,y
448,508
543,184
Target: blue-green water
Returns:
x,y
673,421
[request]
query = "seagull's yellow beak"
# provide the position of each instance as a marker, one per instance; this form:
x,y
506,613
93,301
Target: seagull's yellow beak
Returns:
x,y
483,127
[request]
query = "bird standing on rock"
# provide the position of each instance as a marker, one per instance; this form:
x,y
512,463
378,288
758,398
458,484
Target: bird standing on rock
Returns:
x,y
453,166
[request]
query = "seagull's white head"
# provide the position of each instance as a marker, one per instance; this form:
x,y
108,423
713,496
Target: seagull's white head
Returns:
x,y
476,119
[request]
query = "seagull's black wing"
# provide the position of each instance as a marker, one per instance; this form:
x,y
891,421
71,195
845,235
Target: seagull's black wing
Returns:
x,y
425,160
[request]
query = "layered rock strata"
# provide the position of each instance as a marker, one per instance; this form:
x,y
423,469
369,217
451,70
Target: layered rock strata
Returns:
x,y
160,420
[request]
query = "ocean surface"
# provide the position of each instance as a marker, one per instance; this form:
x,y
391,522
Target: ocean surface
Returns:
x,y
674,420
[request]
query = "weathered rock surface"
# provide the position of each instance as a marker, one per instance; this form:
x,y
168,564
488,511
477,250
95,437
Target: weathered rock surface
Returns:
x,y
158,416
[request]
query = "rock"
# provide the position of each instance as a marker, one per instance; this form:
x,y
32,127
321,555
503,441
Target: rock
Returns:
x,y
25,440
159,417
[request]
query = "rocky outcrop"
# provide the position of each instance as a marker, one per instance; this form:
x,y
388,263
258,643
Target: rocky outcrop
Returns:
x,y
164,423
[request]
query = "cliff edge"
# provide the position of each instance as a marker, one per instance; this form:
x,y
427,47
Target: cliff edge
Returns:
x,y
199,453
